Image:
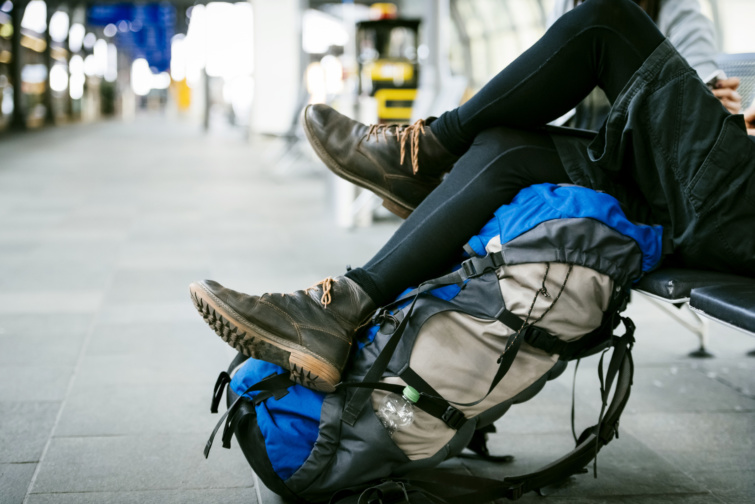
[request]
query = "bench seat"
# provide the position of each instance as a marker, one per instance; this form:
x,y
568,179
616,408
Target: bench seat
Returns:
x,y
733,305
725,298
675,285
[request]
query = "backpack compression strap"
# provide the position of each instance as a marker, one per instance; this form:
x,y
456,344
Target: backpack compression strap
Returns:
x,y
471,268
621,371
275,385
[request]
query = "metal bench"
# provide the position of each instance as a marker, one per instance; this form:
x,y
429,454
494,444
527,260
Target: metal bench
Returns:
x,y
728,299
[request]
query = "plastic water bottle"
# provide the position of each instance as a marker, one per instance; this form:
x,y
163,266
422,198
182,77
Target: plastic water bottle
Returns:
x,y
397,411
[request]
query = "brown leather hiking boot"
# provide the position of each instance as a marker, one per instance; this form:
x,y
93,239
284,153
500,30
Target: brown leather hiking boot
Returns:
x,y
375,157
308,332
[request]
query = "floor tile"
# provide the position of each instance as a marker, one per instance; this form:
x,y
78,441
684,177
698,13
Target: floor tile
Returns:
x,y
24,429
14,482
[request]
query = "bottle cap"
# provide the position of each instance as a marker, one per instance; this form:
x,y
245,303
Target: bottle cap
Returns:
x,y
411,394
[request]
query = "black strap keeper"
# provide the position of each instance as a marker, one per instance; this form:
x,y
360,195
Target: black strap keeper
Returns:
x,y
544,341
469,268
454,418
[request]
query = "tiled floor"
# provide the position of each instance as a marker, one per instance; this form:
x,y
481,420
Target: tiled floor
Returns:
x,y
106,370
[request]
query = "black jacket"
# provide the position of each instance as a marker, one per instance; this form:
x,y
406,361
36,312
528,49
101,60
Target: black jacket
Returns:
x,y
673,155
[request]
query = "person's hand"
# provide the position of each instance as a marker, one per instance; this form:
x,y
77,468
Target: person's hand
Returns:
x,y
750,119
726,91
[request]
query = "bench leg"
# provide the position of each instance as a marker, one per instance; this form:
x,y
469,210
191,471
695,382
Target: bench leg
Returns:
x,y
702,333
697,324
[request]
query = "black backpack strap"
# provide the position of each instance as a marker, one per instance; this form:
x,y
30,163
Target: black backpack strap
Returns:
x,y
473,267
593,342
224,378
217,394
355,405
434,405
479,490
386,492
470,268
272,386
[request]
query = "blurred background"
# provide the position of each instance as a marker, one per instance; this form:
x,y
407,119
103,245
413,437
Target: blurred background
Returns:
x,y
147,145
252,66
67,61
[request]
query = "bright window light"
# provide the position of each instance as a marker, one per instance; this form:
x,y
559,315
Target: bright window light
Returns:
x,y
333,74
76,89
141,77
316,82
76,65
34,74
320,31
7,103
100,57
196,51
35,16
111,72
90,65
178,57
229,39
58,78
89,40
239,93
59,26
219,39
160,81
76,37
76,86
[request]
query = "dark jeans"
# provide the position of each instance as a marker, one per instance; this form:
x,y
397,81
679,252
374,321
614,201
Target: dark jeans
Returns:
x,y
600,43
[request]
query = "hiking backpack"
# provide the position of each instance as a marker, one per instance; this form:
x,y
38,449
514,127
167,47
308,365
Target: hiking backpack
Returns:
x,y
541,284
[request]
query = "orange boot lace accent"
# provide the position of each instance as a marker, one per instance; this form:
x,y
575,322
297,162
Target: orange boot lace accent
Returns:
x,y
327,284
403,133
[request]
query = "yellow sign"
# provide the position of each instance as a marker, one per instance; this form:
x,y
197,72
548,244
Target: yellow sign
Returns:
x,y
391,71
386,111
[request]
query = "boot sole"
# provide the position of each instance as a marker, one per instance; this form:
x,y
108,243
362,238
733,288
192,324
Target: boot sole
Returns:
x,y
389,201
306,368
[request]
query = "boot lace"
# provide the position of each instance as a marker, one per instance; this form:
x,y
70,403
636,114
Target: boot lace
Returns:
x,y
403,134
327,284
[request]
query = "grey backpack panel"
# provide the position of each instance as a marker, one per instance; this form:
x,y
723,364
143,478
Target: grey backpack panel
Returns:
x,y
363,452
581,241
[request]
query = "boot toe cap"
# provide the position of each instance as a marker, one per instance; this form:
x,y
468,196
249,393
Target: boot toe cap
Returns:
x,y
318,116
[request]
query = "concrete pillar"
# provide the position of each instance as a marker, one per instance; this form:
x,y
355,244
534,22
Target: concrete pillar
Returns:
x,y
207,100
18,122
49,112
277,64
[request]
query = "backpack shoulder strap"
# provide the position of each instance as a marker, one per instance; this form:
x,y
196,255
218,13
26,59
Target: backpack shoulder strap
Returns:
x,y
475,490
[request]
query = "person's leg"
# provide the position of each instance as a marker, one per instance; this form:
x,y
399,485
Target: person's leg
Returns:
x,y
310,332
500,162
599,43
